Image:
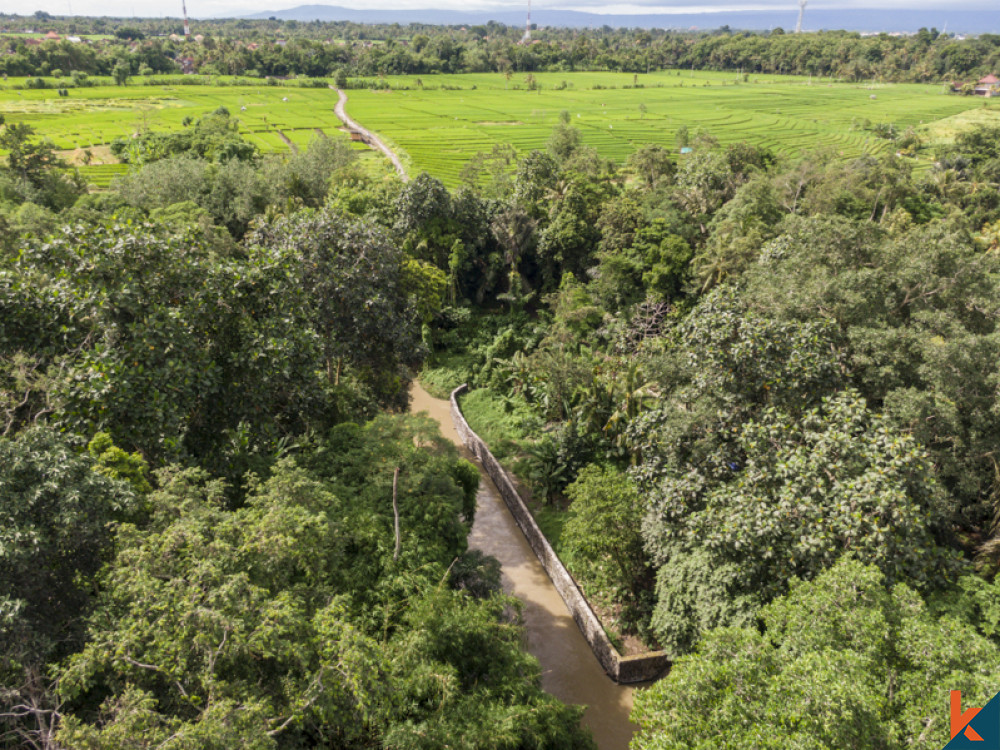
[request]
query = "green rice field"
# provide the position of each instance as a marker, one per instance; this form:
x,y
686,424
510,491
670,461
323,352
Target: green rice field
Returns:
x,y
437,129
93,117
437,122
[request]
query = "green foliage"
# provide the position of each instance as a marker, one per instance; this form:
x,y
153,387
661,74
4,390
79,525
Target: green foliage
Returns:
x,y
476,573
833,391
973,600
547,466
602,540
503,423
665,259
738,231
444,373
805,491
233,189
354,276
718,367
155,339
426,285
214,138
58,532
651,164
564,141
113,462
290,621
33,173
917,315
306,174
844,661
121,73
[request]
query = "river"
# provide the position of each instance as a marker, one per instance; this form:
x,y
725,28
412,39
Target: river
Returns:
x,y
570,670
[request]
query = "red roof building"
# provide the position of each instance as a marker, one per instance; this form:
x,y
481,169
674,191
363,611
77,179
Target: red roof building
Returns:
x,y
988,86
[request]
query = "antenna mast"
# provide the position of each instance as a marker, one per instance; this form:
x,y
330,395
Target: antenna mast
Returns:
x,y
802,10
187,28
527,27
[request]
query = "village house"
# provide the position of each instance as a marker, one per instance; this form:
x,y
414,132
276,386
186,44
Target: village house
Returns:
x,y
988,86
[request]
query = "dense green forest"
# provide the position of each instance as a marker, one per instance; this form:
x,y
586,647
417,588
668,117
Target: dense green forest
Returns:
x,y
200,460
759,397
134,47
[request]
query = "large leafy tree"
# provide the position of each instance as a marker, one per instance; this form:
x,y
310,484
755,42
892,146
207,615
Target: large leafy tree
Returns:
x,y
802,492
294,622
917,313
760,464
353,275
719,367
33,172
58,528
843,661
214,137
602,540
157,340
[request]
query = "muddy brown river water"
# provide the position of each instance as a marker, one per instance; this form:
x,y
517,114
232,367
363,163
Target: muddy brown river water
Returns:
x,y
569,669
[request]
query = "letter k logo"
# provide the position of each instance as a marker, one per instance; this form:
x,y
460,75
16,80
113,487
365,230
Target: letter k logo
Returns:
x,y
974,728
960,720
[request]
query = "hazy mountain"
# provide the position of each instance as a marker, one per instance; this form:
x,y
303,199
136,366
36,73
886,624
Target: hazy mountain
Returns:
x,y
959,21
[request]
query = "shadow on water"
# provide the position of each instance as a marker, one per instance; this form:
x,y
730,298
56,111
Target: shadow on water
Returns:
x,y
570,670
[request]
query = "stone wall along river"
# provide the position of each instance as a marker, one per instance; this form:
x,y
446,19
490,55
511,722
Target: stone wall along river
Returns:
x,y
569,669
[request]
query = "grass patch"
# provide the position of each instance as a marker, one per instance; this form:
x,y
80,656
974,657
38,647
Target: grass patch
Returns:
x,y
551,521
445,373
616,640
504,423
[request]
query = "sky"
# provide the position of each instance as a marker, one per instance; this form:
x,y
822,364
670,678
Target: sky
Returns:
x,y
216,8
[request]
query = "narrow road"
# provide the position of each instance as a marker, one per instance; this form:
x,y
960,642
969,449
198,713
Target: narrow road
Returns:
x,y
570,670
371,138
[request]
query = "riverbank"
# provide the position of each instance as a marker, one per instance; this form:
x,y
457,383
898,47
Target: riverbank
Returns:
x,y
569,669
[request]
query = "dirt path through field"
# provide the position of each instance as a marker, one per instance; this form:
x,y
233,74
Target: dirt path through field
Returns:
x,y
371,137
570,670
288,141
98,155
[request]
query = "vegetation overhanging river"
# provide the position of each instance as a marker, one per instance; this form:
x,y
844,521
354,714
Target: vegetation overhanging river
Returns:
x,y
569,669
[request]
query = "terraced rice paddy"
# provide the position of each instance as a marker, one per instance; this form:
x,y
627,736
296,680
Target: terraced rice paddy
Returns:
x,y
437,122
94,116
437,128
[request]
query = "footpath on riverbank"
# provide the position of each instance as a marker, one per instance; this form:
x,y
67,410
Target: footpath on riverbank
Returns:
x,y
569,669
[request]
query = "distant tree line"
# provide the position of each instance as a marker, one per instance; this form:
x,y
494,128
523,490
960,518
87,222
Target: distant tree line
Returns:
x,y
271,48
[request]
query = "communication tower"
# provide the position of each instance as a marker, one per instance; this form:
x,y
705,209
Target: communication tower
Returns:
x,y
802,10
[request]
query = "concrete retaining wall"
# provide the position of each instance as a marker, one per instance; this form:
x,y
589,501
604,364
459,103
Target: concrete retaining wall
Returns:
x,y
623,669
